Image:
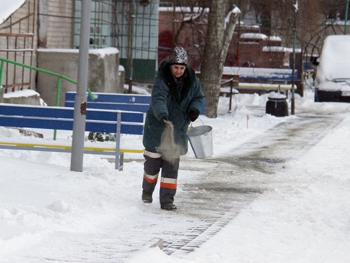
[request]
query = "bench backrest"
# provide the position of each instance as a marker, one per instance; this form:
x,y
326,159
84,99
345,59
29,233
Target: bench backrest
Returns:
x,y
113,101
261,74
116,101
61,118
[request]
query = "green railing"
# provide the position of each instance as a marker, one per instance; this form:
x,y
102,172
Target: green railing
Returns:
x,y
58,76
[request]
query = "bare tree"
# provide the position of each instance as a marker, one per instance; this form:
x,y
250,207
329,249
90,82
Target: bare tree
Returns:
x,y
221,24
212,34
212,24
276,17
191,18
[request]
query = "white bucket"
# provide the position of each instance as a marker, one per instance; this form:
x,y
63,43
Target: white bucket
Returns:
x,y
201,140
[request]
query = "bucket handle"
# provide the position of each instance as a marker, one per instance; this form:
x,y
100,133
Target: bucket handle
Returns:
x,y
198,119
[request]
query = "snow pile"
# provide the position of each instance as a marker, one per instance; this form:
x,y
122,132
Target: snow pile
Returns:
x,y
333,70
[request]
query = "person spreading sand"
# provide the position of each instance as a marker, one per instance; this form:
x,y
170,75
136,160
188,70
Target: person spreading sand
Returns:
x,y
169,150
176,101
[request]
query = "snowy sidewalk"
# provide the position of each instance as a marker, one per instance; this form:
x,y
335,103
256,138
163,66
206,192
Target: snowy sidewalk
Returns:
x,y
265,199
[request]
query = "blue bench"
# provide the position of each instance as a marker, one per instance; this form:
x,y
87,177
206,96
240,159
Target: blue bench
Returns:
x,y
61,118
267,79
115,101
282,75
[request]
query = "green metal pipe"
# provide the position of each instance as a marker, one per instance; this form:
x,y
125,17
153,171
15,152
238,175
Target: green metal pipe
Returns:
x,y
43,71
58,91
346,16
59,79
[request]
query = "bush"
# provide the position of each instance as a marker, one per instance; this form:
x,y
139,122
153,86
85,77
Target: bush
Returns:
x,y
101,137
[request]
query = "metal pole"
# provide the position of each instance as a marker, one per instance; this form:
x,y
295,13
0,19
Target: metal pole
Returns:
x,y
117,139
346,16
131,43
1,89
293,68
58,94
80,99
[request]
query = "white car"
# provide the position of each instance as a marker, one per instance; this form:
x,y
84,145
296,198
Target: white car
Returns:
x,y
332,81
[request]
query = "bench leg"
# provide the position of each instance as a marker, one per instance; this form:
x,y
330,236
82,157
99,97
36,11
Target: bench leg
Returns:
x,y
121,161
119,157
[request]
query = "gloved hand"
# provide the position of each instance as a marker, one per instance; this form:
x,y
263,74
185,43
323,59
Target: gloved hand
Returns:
x,y
194,115
164,119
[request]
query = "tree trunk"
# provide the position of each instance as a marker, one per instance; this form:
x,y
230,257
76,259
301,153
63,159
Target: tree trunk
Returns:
x,y
219,35
266,19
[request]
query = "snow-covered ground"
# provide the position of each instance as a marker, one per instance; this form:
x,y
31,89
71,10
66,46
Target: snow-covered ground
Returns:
x,y
297,210
231,208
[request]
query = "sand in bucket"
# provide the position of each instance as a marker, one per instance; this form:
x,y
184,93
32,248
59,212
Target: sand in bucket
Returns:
x,y
201,141
168,149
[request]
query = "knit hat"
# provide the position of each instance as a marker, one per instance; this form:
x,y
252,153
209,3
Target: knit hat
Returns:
x,y
178,56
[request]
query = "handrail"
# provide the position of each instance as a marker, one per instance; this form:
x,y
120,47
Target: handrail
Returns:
x,y
59,77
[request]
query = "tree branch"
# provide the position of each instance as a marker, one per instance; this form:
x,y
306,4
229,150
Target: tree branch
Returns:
x,y
187,20
231,22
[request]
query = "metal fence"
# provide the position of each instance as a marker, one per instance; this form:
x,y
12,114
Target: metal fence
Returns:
x,y
17,37
129,25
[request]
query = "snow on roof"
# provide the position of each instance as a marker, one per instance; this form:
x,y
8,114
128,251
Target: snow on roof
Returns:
x,y
275,49
250,26
259,73
8,8
280,49
100,51
253,36
182,9
104,51
275,38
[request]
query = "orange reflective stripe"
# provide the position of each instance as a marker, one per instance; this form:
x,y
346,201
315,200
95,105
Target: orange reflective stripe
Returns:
x,y
168,183
169,186
150,178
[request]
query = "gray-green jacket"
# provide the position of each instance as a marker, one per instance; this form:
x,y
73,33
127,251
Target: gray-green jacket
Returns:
x,y
174,100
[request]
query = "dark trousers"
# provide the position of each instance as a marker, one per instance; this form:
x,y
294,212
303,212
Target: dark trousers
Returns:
x,y
153,164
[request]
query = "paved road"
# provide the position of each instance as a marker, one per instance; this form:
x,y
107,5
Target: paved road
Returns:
x,y
230,183
212,192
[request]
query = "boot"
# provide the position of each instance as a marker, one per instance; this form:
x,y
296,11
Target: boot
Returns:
x,y
168,206
146,198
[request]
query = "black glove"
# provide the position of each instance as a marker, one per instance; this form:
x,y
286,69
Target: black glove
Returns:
x,y
164,119
194,115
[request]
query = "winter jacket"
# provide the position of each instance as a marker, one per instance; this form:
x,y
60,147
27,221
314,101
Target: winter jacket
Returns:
x,y
172,99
